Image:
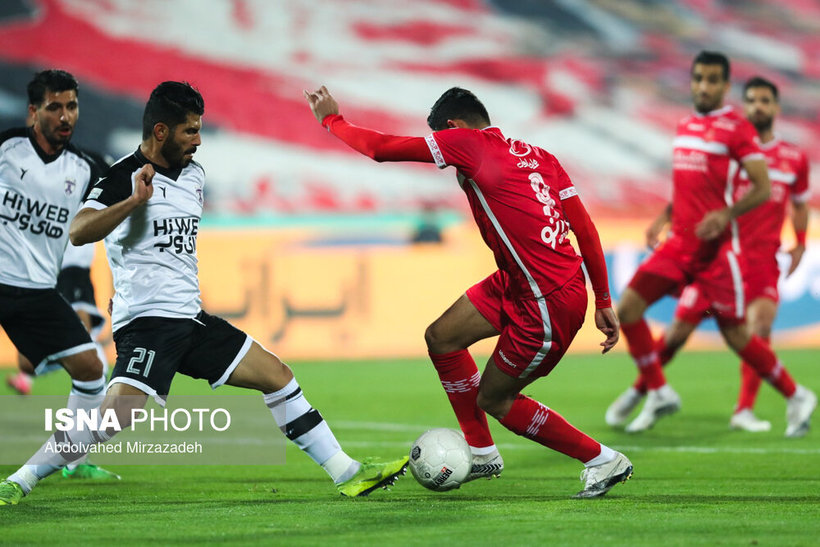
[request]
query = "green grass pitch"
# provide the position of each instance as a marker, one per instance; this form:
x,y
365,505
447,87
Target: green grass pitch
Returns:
x,y
695,481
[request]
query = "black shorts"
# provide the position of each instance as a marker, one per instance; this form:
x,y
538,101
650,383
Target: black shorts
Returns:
x,y
151,350
74,283
41,324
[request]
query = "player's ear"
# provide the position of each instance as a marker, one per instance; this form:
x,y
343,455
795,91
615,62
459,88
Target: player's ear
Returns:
x,y
451,124
160,131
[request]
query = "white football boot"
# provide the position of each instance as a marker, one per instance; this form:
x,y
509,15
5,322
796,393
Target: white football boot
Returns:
x,y
799,408
598,479
746,420
619,411
659,402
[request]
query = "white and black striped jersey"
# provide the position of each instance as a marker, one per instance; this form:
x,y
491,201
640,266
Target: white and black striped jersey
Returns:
x,y
39,195
152,253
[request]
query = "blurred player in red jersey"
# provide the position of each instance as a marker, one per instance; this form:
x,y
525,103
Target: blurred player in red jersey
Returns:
x,y
524,204
703,248
759,232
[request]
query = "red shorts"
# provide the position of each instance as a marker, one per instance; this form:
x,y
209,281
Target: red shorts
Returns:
x,y
718,277
760,278
692,305
535,333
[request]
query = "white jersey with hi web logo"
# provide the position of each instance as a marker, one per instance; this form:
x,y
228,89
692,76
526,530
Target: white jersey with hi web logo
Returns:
x,y
39,195
152,253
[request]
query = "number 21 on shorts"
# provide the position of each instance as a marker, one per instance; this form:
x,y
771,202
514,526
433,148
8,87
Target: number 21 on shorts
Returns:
x,y
141,362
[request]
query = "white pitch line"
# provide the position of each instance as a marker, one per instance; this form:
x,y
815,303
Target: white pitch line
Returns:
x,y
626,449
418,429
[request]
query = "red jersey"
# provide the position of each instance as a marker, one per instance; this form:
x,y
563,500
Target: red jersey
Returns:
x,y
760,228
707,151
515,192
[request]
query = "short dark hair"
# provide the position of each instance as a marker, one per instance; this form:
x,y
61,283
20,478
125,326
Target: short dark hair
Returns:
x,y
50,80
457,104
759,81
170,103
713,58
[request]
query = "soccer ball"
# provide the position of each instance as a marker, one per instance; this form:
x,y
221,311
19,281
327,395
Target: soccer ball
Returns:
x,y
440,459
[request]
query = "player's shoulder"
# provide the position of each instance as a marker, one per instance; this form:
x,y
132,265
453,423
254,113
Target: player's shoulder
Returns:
x,y
789,150
122,169
197,168
12,133
729,119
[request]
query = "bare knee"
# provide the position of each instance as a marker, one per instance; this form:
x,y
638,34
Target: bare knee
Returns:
x,y
631,307
736,336
83,367
495,406
261,370
763,330
437,341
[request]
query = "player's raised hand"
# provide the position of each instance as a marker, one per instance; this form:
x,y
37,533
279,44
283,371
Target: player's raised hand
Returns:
x,y
143,189
713,224
607,322
322,103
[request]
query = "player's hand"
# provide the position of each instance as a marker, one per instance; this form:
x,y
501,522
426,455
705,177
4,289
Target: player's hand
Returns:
x,y
653,232
607,322
797,254
321,103
143,189
713,224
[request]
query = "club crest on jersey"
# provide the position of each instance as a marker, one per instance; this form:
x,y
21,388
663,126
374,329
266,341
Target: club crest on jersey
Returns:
x,y
519,149
69,186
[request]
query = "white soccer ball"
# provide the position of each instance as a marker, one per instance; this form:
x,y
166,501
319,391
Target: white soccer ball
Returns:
x,y
440,459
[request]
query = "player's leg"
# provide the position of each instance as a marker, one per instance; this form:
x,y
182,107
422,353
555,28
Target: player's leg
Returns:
x,y
688,313
74,445
523,354
760,314
238,360
645,288
672,340
448,338
801,401
22,380
726,292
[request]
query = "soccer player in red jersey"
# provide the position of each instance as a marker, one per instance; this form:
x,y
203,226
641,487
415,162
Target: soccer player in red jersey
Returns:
x,y
703,248
524,204
759,231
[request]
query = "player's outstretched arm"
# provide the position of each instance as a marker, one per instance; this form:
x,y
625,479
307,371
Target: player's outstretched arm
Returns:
x,y
373,144
589,243
91,225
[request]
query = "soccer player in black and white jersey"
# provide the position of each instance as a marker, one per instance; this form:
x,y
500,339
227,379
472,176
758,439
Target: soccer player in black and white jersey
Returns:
x,y
148,208
74,284
43,179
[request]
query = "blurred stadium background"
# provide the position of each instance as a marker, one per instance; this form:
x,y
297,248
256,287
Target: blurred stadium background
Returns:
x,y
308,246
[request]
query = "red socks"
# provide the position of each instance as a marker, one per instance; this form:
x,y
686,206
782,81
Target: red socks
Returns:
x,y
532,420
459,377
762,359
642,349
749,385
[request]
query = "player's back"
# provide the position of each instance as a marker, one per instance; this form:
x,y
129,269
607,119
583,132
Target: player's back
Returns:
x,y
515,191
707,151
